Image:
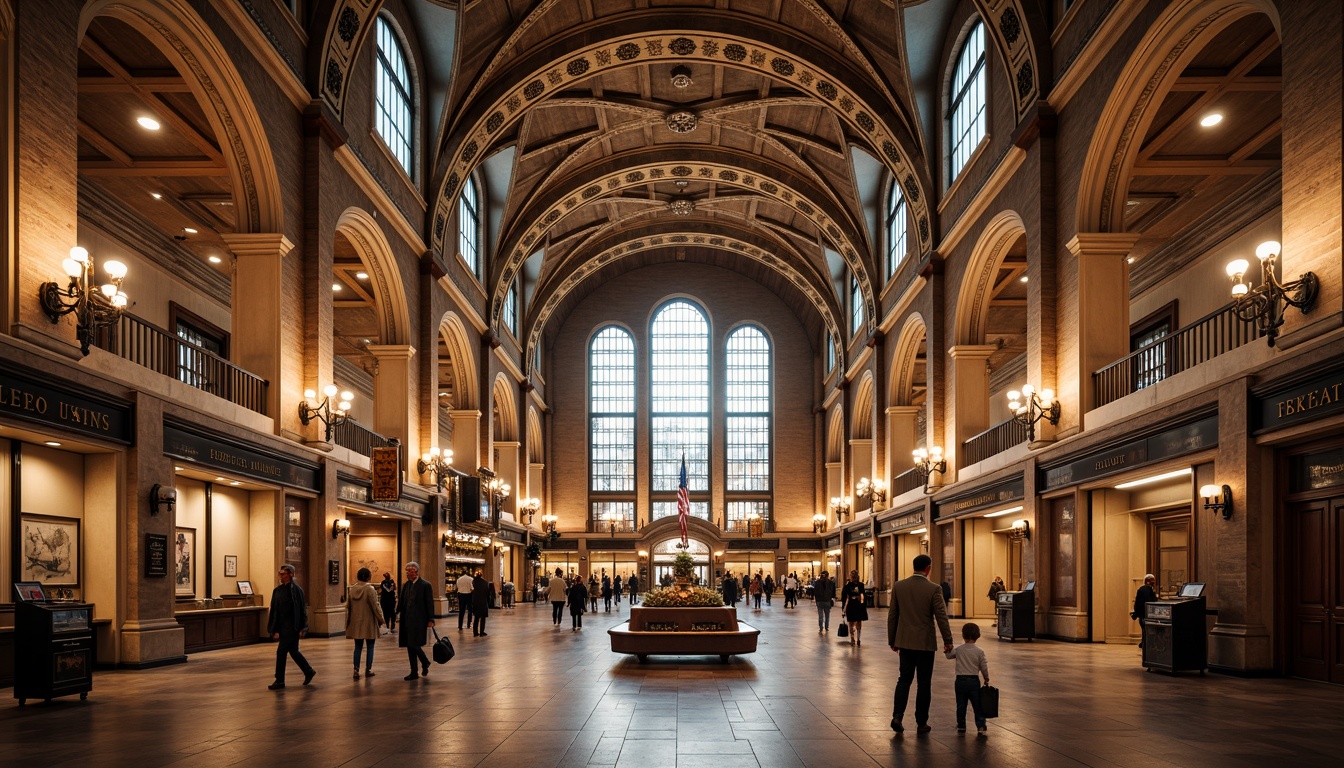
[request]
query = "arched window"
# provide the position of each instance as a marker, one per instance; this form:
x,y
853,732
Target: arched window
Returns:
x,y
747,409
679,407
896,241
510,310
966,107
396,108
611,418
830,353
469,226
855,306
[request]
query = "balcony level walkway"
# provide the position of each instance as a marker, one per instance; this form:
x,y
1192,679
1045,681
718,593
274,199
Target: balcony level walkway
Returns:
x,y
530,695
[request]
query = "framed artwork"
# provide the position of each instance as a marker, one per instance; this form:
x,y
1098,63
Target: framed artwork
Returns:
x,y
244,587
29,591
230,565
184,562
49,548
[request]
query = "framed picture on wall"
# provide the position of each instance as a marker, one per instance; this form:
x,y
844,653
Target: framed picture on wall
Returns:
x,y
49,550
184,562
230,565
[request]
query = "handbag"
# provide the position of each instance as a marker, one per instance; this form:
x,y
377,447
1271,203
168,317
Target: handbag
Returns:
x,y
989,701
843,630
443,648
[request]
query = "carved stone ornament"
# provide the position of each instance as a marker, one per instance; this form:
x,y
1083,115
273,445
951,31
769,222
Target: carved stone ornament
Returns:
x,y
682,121
682,206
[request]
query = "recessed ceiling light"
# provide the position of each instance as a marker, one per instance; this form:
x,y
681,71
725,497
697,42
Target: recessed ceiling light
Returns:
x,y
362,275
53,444
215,260
1153,479
335,286
189,230
148,123
219,479
1129,260
156,195
366,341
235,482
1007,511
1211,119
177,469
1022,279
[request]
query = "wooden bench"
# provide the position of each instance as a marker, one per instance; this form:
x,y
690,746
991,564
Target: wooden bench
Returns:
x,y
683,631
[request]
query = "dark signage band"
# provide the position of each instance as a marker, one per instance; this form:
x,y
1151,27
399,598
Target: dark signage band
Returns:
x,y
891,525
1319,397
348,490
30,400
1174,442
1011,490
239,459
859,534
1315,471
506,534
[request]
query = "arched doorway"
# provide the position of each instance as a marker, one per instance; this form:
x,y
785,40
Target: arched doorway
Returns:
x,y
664,552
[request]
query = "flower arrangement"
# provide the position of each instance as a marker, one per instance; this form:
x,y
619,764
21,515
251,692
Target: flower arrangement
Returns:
x,y
682,596
683,566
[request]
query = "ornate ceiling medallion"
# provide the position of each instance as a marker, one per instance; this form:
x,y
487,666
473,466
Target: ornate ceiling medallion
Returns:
x,y
682,206
682,121
681,76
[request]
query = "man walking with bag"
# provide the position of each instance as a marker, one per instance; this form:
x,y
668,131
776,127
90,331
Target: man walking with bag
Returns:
x,y
916,604
417,616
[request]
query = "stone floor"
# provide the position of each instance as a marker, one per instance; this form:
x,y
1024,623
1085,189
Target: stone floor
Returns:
x,y
531,695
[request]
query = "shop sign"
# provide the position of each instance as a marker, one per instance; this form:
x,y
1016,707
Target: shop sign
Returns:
x,y
859,534
831,542
911,520
156,554
1190,438
1012,490
736,545
239,458
805,544
1320,397
358,493
508,534
31,400
1315,471
385,469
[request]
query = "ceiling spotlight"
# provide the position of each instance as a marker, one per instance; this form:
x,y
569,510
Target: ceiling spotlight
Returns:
x,y
335,286
156,195
1129,260
52,443
681,183
1211,119
215,260
148,123
681,76
189,230
362,275
1022,279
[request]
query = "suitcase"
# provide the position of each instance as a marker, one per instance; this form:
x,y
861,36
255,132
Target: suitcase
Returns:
x,y
989,701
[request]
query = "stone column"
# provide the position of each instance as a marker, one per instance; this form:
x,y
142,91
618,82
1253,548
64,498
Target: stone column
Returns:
x,y
256,343
466,435
392,403
969,393
902,439
1103,317
506,471
861,451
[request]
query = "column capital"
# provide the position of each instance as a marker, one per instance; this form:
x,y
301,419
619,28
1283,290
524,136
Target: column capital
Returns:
x,y
391,351
1102,243
904,410
464,413
972,351
258,243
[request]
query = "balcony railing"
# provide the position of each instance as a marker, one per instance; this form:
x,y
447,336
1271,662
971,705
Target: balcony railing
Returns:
x,y
743,526
1198,342
361,439
994,440
604,526
158,350
905,482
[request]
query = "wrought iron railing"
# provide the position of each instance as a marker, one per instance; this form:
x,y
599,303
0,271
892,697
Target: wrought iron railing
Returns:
x,y
152,347
743,526
1201,341
362,440
905,482
994,440
623,525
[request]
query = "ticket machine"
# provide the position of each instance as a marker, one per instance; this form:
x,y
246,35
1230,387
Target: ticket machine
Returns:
x,y
1017,613
1175,634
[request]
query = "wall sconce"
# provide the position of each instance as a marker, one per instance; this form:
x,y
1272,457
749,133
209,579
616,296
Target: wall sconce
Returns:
x,y
643,554
548,524
841,505
437,463
501,550
818,523
928,462
875,490
499,491
323,412
161,496
869,547
1218,498
1037,406
1021,530
530,506
340,527
94,308
718,555
1265,303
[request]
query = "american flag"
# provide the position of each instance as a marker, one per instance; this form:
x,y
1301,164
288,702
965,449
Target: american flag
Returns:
x,y
683,500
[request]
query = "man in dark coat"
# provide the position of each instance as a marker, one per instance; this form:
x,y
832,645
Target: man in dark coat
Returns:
x,y
633,586
417,616
916,616
1146,594
480,605
729,589
287,623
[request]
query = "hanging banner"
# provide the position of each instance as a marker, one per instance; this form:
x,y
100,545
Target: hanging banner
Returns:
x,y
385,467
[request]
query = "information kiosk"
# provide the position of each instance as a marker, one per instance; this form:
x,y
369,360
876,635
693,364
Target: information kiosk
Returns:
x,y
1017,613
1175,635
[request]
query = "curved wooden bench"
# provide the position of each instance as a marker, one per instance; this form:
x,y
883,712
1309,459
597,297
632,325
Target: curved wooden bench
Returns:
x,y
683,631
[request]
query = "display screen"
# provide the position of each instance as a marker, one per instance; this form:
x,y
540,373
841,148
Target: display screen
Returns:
x,y
1030,586
1192,589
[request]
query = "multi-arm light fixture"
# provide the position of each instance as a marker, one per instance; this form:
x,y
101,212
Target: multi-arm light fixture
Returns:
x,y
927,462
1030,406
875,490
1265,303
530,507
841,505
549,524
438,463
323,412
818,523
94,307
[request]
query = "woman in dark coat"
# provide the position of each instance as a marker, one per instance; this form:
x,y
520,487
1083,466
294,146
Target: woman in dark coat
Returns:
x,y
387,599
578,603
856,612
480,609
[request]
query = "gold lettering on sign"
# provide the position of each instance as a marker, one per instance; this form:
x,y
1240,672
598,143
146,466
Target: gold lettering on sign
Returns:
x,y
1110,461
1327,395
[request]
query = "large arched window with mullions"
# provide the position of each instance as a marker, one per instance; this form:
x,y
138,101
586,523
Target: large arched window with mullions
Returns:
x,y
611,426
679,407
966,102
469,226
896,239
395,107
747,411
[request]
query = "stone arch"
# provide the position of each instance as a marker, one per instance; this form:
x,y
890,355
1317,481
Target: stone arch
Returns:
x,y
384,276
466,396
665,528
861,409
1177,36
536,444
977,282
912,340
505,408
348,26
835,435
1014,30
220,90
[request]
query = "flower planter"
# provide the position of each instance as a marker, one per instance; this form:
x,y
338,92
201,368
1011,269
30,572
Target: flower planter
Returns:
x,y
708,631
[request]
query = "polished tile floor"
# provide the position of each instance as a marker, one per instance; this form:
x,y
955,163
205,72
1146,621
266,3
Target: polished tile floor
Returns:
x,y
531,695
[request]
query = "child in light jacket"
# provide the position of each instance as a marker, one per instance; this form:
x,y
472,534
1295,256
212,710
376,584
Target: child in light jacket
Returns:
x,y
971,665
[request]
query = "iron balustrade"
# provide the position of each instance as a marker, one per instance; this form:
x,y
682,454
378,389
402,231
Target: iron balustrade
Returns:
x,y
905,482
994,440
152,347
362,440
1206,338
742,526
623,525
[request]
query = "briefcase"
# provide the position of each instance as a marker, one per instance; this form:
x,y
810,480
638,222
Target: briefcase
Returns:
x,y
989,701
443,648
